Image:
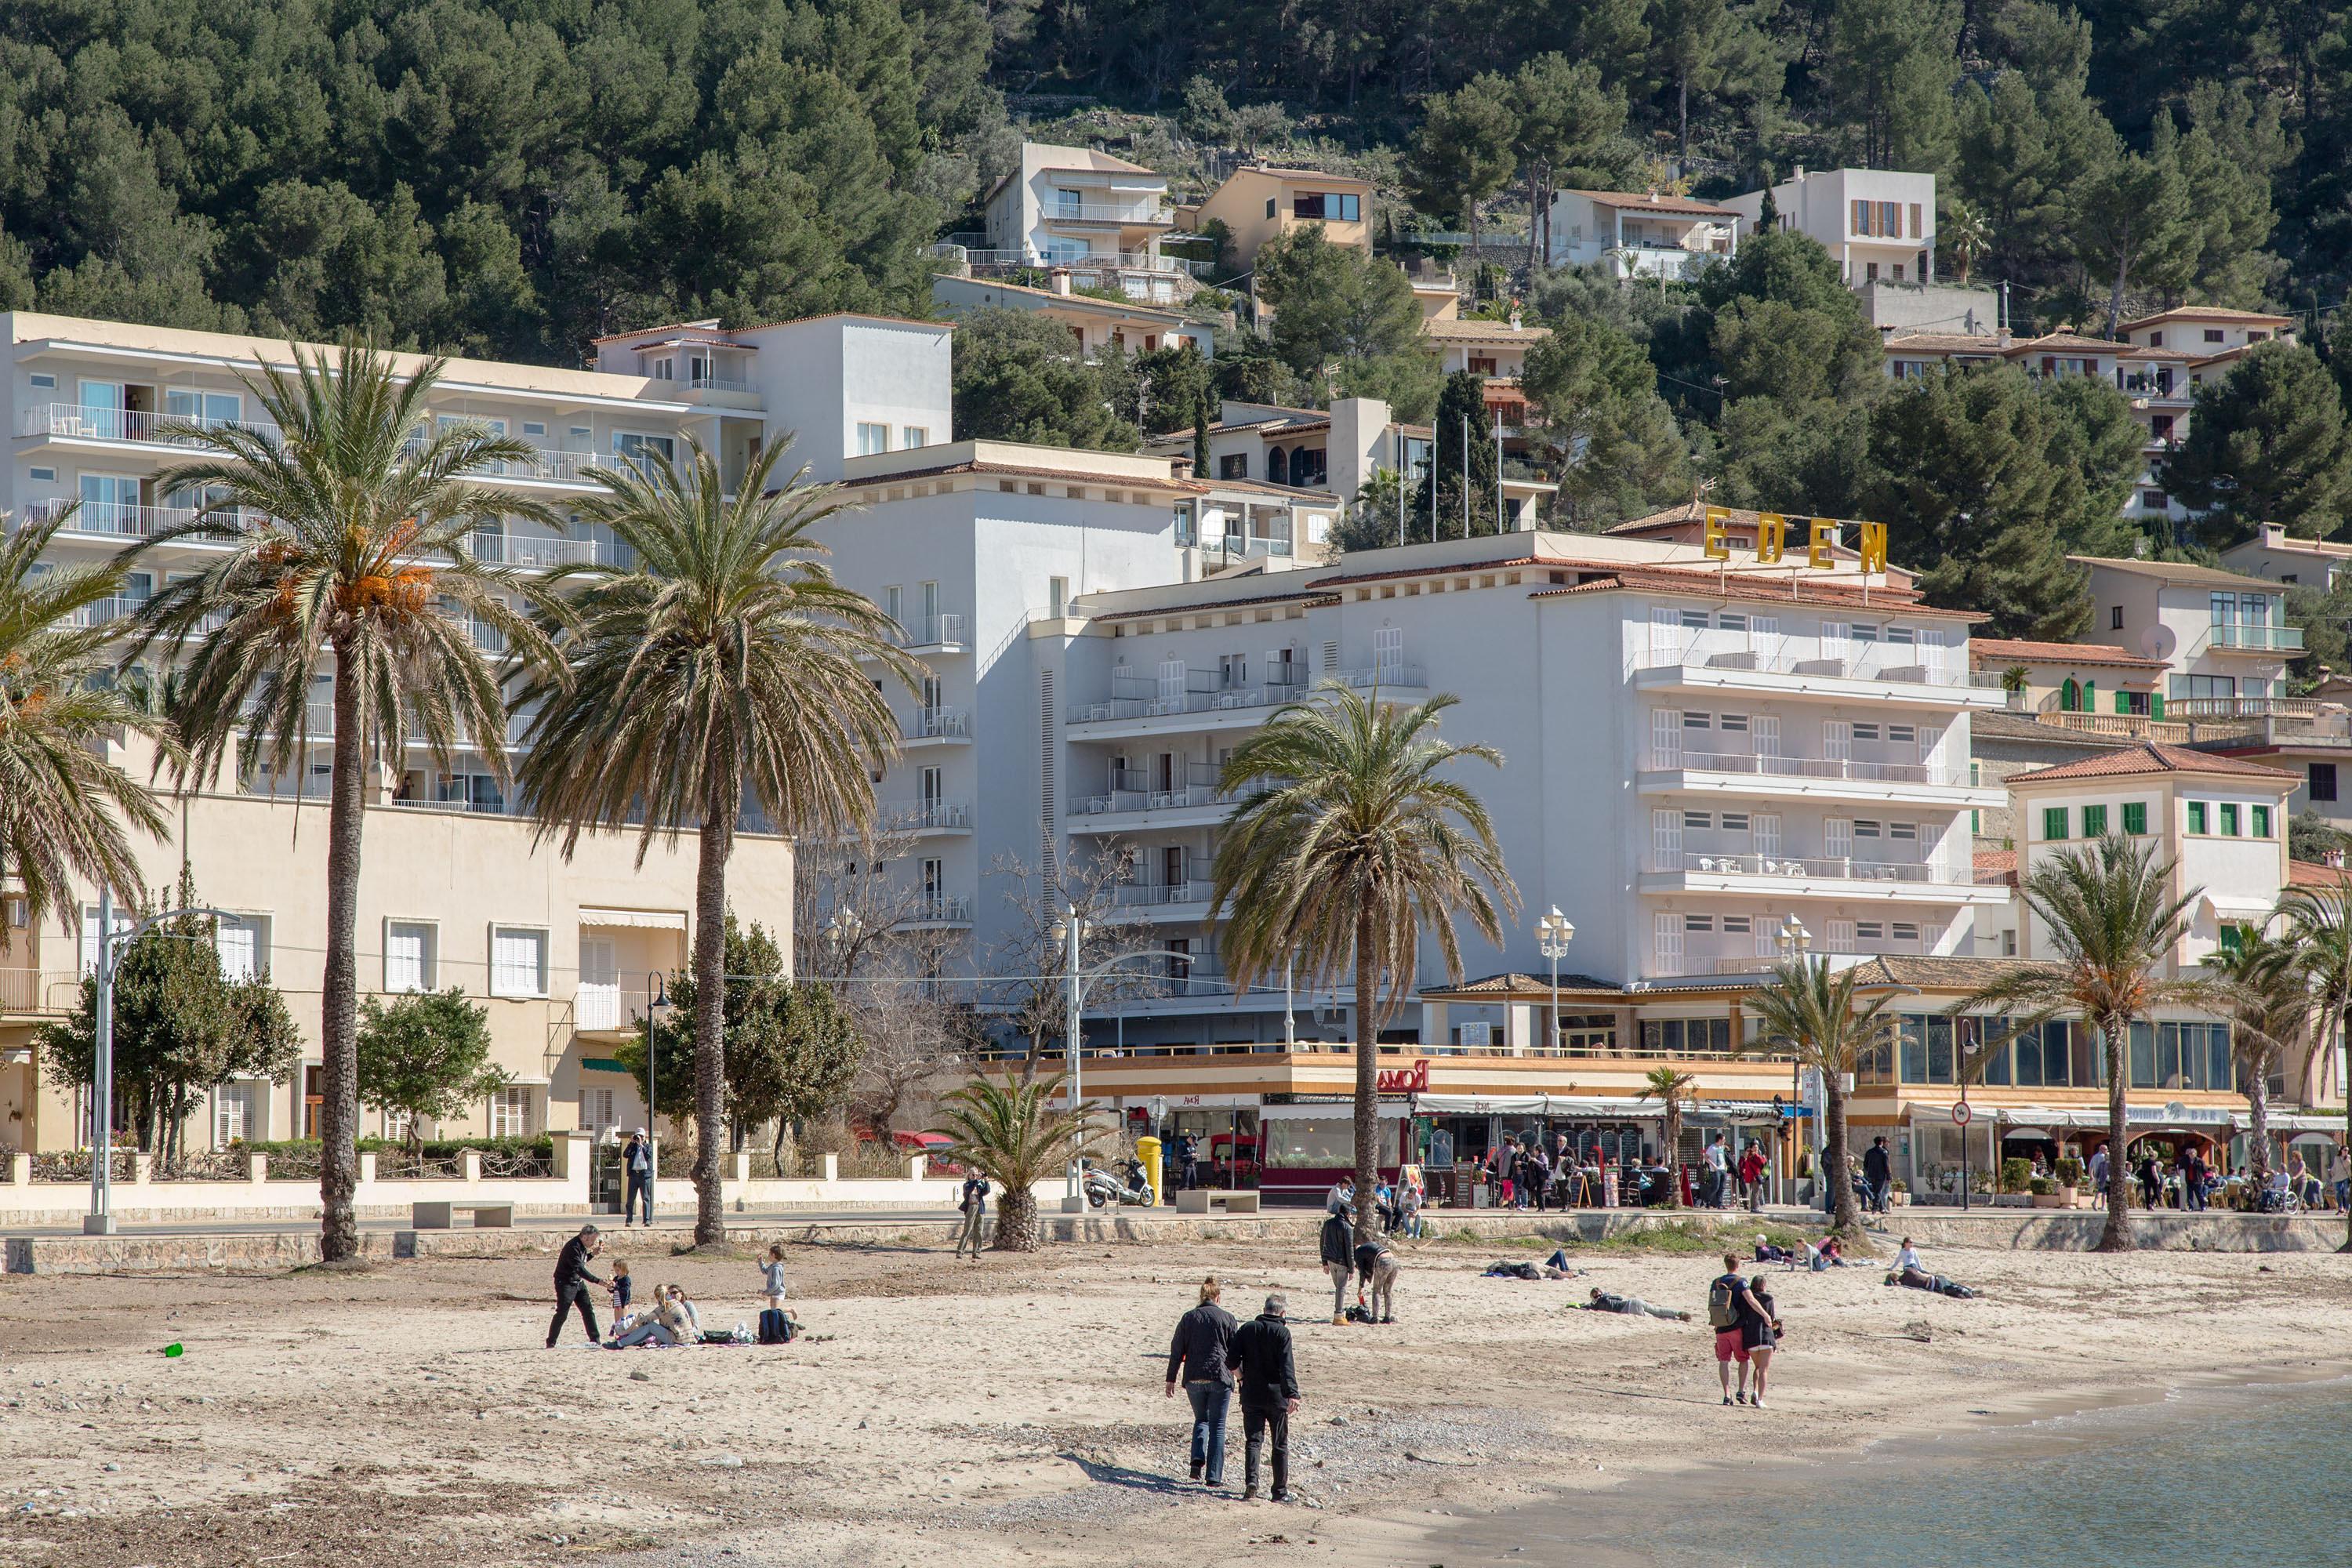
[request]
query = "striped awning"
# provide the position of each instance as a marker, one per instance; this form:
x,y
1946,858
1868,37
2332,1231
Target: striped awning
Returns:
x,y
644,919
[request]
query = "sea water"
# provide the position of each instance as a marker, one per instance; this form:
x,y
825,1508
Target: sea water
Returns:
x,y
2256,1475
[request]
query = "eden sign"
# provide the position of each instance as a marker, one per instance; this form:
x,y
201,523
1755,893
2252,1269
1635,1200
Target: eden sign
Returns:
x,y
1821,536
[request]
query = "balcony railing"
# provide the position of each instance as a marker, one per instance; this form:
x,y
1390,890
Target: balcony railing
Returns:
x,y
1834,768
941,724
923,816
2241,708
1108,212
1390,677
102,612
1148,697
999,260
73,421
464,806
1843,867
23,991
942,909
1153,895
709,381
934,631
2275,639
607,1008
120,519
536,551
1905,662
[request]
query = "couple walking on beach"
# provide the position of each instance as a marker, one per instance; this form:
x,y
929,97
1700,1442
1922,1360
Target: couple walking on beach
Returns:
x,y
1209,1353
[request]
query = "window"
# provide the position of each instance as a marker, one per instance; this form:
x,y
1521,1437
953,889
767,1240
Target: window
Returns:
x,y
2094,822
1057,596
2196,816
1902,735
2213,334
873,438
2135,818
243,943
1697,821
1327,207
1688,1036
2261,815
1865,732
1904,930
641,452
2053,823
596,1110
535,427
2229,819
510,1112
2322,781
2115,617
1698,922
1733,821
915,436
1733,724
1736,925
233,1119
1270,207
1915,224
44,381
518,961
1694,620
1695,720
1233,465
1729,621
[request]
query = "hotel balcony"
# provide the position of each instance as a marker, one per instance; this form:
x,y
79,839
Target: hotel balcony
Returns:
x,y
1140,799
939,727
608,1009
1191,703
1114,214
1173,902
1814,876
26,992
1898,674
939,912
925,818
1814,778
936,633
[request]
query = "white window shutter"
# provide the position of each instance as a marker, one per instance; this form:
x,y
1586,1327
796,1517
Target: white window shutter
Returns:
x,y
1837,740
1666,627
1837,837
1665,738
1666,838
234,943
1767,931
1667,937
1931,653
1388,654
1765,828
1764,639
1171,680
1767,730
1841,936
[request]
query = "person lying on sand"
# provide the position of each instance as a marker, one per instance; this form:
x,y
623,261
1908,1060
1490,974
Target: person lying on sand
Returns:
x,y
1920,1279
1631,1306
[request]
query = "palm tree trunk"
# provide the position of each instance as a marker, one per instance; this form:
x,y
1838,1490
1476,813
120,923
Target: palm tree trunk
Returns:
x,y
339,1116
1834,1142
2118,1236
2258,1122
1368,1050
1669,1155
1016,1220
718,835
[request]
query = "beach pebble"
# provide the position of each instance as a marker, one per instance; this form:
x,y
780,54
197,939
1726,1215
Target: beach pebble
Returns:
x,y
110,1466
641,1377
725,1461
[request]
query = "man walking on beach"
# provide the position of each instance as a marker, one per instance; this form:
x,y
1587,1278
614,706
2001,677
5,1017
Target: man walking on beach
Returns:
x,y
572,1282
637,1162
1878,1171
1269,1390
1200,1358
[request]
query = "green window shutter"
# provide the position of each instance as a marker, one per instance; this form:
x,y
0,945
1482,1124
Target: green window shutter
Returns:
x,y
2053,823
2094,822
2262,822
2196,816
2122,701
2233,937
2155,705
2229,819
2069,696
2136,817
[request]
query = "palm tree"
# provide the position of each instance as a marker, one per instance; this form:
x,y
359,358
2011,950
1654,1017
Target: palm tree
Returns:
x,y
1349,843
1813,1015
2321,921
1672,1088
2269,1007
723,668
64,808
1965,235
2110,911
1009,1132
347,536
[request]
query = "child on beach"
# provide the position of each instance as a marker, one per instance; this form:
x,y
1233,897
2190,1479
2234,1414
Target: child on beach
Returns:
x,y
771,1277
619,1292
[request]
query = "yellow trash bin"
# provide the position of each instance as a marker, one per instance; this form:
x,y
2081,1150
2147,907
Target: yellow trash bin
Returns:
x,y
1147,1154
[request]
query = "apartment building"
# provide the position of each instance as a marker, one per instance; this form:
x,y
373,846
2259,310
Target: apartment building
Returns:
x,y
1096,215
1642,233
2223,637
455,894
1880,225
1260,201
2274,556
1097,325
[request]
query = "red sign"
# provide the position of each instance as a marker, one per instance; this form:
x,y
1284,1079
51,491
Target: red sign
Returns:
x,y
1414,1079
1960,1114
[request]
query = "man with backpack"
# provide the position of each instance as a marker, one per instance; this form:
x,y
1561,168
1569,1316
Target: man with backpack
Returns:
x,y
1723,1295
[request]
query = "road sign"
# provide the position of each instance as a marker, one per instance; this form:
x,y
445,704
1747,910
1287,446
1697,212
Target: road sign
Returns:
x,y
1960,1114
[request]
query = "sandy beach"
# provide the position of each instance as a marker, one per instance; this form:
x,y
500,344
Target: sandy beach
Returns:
x,y
1012,1411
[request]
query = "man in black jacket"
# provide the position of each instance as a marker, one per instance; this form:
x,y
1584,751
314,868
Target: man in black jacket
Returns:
x,y
1199,1354
1269,1379
637,1165
1338,1243
1876,1173
572,1282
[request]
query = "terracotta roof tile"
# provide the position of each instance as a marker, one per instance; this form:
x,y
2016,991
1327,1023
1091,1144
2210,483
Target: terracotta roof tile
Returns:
x,y
2154,757
1994,650
2186,573
2208,314
1641,201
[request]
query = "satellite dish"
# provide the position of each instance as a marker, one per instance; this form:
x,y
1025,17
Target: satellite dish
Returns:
x,y
2159,642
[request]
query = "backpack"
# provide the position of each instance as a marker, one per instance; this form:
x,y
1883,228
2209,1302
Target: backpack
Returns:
x,y
775,1328
1722,1306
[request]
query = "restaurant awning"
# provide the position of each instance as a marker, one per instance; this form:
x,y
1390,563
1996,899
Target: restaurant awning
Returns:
x,y
646,920
1618,1108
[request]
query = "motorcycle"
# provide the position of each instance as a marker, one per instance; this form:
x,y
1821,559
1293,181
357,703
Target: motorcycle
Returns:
x,y
1103,1189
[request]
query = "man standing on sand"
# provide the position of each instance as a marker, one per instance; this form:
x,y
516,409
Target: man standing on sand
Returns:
x,y
1200,1357
637,1162
974,1205
572,1282
1269,1390
1877,1172
1337,1242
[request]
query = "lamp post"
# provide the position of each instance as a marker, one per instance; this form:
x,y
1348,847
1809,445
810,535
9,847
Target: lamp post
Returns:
x,y
656,997
1554,933
99,1221
1795,943
1070,931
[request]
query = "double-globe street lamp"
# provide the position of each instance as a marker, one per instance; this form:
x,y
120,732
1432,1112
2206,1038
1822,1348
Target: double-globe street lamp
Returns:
x,y
1553,933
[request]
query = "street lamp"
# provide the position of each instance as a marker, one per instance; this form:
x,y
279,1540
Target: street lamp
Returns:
x,y
841,934
99,1221
1793,939
656,997
1069,930
1554,933
1795,943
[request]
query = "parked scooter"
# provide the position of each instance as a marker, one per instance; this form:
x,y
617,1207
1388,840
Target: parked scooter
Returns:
x,y
1128,1187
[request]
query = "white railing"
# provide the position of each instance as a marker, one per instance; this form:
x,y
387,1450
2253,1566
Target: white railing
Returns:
x,y
1836,768
1107,212
536,551
606,1008
1119,801
1387,677
704,381
1092,261
509,806
1842,867
120,519
554,466
1156,894
73,421
1208,698
934,631
923,816
1905,662
941,910
103,612
942,723
2241,708
2269,638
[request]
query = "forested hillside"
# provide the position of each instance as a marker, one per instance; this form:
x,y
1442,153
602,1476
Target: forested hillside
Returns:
x,y
513,176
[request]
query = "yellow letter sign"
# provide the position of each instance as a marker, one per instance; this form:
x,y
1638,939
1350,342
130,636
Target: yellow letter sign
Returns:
x,y
1873,546
1717,547
1825,533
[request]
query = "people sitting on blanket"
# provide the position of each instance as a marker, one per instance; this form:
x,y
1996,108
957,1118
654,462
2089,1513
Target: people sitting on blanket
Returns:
x,y
1768,1251
670,1318
1827,1253
1633,1306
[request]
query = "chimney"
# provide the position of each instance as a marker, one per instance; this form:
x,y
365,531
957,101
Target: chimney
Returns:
x,y
1058,281
1515,321
1800,173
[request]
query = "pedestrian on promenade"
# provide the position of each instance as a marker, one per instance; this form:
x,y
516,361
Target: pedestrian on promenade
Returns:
x,y
1269,1390
1752,1165
1718,1171
1188,1162
1200,1358
2099,1171
1377,1270
974,1205
1878,1173
1342,1199
637,1165
572,1282
1339,1251
2339,1173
